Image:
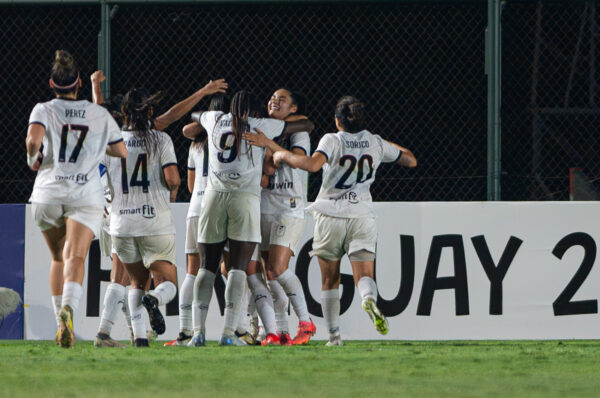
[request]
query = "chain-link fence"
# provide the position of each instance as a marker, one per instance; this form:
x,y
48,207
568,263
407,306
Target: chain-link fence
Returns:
x,y
549,112
419,67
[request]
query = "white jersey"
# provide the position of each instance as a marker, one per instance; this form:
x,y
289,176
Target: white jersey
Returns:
x,y
228,170
197,161
352,160
77,133
140,204
286,193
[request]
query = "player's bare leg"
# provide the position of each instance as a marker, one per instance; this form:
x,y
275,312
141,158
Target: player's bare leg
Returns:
x,y
77,243
55,239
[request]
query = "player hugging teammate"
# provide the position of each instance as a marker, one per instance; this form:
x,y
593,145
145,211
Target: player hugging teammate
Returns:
x,y
231,152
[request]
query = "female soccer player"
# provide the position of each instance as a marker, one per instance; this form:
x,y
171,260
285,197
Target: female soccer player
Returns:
x,y
197,177
343,212
231,204
141,224
282,219
67,199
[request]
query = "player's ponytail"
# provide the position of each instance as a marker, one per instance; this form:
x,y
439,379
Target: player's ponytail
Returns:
x,y
65,74
241,105
137,108
351,114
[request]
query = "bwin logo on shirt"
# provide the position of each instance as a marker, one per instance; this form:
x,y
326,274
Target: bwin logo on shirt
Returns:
x,y
148,211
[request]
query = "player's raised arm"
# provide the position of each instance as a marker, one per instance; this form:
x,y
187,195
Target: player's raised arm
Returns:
x,y
183,107
96,78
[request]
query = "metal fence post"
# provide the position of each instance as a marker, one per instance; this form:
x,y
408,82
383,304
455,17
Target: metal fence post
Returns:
x,y
493,62
104,46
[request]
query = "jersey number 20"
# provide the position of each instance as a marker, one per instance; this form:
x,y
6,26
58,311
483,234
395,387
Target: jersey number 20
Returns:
x,y
141,164
341,184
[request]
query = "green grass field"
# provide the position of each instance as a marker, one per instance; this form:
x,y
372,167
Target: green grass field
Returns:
x,y
358,369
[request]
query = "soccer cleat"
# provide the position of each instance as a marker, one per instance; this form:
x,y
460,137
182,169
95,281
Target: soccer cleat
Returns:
x,y
141,343
254,326
197,340
182,339
230,339
306,329
247,338
284,339
271,339
104,340
376,316
65,329
151,335
157,322
57,337
335,341
262,333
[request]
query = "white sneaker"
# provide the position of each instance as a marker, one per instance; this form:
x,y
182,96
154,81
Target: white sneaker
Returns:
x,y
335,341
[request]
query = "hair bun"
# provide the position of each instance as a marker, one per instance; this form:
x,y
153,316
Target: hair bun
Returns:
x,y
63,59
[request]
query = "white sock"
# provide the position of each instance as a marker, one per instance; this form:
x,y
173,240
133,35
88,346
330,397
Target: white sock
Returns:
x,y
251,305
113,301
330,303
138,321
293,288
280,302
71,295
264,302
203,290
126,313
234,290
367,288
242,323
165,292
186,295
56,305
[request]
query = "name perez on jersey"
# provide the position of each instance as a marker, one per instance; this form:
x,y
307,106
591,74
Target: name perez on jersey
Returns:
x,y
80,113
356,144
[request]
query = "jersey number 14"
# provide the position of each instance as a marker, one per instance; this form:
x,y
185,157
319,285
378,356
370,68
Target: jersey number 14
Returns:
x,y
137,180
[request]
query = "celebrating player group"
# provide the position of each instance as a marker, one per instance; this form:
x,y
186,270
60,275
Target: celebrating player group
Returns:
x,y
247,173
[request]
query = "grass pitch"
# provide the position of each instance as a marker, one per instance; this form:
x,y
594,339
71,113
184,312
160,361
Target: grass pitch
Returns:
x,y
358,369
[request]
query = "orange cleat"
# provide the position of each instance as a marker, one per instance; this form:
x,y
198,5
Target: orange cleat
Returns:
x,y
306,329
271,339
284,339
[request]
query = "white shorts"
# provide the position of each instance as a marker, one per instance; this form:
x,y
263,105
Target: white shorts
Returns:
x,y
282,231
145,248
48,216
191,235
255,253
335,237
105,243
233,215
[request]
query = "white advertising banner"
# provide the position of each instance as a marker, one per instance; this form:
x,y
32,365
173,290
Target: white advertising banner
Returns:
x,y
445,271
